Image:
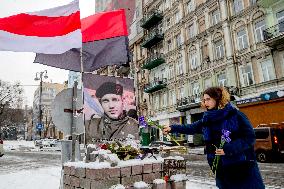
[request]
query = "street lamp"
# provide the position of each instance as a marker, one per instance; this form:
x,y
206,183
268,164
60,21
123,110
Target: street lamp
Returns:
x,y
38,77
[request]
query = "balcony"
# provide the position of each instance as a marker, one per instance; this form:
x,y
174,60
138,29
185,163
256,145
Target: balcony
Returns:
x,y
274,36
154,61
153,38
257,88
158,84
151,18
190,102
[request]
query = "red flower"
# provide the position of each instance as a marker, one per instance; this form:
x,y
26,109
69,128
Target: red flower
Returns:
x,y
166,178
104,147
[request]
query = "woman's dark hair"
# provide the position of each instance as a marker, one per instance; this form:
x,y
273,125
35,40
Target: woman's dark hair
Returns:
x,y
219,94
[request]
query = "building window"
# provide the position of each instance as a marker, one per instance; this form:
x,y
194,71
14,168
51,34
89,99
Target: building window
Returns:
x,y
280,18
193,60
242,39
174,100
205,53
165,100
170,98
219,49
267,70
189,6
191,31
181,93
163,73
157,101
177,17
171,72
222,80
215,17
259,27
238,6
178,40
207,83
179,66
169,45
246,75
195,88
252,2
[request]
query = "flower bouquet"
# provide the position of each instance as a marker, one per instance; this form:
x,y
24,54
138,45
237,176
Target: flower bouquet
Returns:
x,y
144,123
125,150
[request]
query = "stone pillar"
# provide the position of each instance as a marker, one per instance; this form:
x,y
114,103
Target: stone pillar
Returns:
x,y
223,10
195,25
269,19
198,53
207,20
211,49
227,42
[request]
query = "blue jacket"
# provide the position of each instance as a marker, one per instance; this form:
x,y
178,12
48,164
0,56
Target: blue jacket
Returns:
x,y
238,167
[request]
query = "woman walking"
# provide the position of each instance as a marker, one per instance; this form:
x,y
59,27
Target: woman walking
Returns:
x,y
229,140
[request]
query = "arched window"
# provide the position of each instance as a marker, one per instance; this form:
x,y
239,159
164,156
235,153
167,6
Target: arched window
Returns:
x,y
192,57
259,27
242,38
238,6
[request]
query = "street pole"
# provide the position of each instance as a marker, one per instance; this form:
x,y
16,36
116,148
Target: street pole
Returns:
x,y
73,120
40,111
40,74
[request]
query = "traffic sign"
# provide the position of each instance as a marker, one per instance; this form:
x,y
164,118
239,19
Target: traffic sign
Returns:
x,y
62,114
39,126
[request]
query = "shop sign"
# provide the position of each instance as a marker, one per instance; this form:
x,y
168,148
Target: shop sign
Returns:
x,y
249,100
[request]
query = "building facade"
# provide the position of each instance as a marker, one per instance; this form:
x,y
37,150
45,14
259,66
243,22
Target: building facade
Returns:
x,y
266,96
189,45
101,5
49,91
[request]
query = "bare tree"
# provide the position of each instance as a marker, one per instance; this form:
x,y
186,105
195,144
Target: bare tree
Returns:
x,y
11,97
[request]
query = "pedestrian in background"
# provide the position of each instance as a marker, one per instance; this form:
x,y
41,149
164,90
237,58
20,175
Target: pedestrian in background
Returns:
x,y
229,141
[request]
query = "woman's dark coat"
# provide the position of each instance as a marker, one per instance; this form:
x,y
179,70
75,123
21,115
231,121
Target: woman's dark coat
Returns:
x,y
238,167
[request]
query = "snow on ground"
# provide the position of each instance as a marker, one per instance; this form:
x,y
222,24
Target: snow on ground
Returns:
x,y
22,145
49,178
18,144
197,183
44,178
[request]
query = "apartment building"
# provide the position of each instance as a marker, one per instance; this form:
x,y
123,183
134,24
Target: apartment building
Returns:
x,y
49,91
190,45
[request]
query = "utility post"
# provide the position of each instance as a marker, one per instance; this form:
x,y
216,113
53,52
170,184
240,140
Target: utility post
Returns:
x,y
73,121
39,76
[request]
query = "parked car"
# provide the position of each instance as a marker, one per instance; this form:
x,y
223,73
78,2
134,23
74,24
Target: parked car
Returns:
x,y
49,142
38,143
1,148
269,143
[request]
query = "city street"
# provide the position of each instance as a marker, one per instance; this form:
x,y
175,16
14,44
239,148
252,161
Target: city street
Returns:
x,y
15,162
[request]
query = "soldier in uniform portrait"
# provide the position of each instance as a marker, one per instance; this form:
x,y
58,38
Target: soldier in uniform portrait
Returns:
x,y
114,124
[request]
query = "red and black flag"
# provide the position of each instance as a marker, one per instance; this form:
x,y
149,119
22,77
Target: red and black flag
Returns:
x,y
127,5
105,42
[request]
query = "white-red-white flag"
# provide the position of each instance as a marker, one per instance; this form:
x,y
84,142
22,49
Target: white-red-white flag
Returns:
x,y
50,31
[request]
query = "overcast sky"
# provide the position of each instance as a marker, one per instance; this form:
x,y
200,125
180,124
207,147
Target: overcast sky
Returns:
x,y
16,66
